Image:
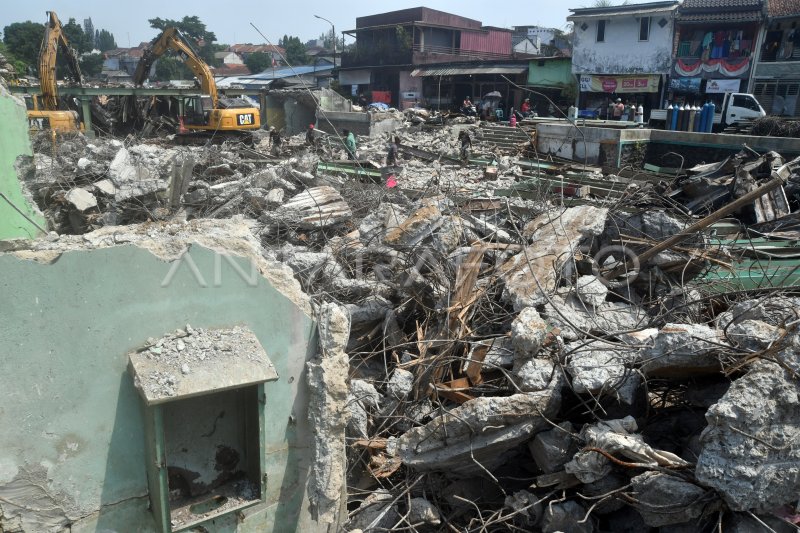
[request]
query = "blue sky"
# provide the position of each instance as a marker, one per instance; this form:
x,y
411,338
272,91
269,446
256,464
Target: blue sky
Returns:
x,y
127,20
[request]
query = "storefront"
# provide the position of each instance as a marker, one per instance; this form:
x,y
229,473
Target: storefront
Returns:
x,y
598,92
716,49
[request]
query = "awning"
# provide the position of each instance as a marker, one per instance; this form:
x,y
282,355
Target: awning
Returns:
x,y
458,71
644,83
192,362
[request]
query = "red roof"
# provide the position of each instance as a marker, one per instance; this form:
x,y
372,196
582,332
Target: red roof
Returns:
x,y
231,70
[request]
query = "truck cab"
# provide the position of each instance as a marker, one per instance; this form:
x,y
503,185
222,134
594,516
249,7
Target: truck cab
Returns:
x,y
737,107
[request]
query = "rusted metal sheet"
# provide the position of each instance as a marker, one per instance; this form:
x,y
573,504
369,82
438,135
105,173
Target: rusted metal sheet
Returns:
x,y
493,41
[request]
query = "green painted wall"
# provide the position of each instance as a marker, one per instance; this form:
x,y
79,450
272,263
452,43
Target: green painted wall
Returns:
x,y
556,73
69,403
14,142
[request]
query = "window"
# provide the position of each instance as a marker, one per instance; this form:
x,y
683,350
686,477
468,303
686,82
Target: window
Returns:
x,y
746,102
601,31
644,28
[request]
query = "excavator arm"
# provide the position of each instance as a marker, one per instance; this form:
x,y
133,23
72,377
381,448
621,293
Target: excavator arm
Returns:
x,y
55,40
171,39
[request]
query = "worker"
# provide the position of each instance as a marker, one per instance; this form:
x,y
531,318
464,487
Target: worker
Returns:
x,y
274,140
525,108
311,140
362,101
466,144
392,151
467,107
349,143
619,108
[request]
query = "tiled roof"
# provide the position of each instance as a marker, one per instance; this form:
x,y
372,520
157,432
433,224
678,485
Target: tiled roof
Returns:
x,y
721,4
724,16
783,8
251,48
231,70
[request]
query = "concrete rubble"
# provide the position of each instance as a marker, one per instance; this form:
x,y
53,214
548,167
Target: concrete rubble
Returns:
x,y
513,361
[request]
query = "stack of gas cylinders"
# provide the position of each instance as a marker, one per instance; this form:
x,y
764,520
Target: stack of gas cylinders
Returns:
x,y
690,117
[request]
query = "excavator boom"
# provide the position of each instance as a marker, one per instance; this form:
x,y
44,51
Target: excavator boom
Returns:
x,y
54,40
171,39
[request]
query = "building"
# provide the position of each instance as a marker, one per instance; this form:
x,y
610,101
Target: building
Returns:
x,y
776,77
552,77
622,52
244,50
125,59
229,58
390,47
533,40
716,44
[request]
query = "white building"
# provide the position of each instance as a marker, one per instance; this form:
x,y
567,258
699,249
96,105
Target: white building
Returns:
x,y
622,52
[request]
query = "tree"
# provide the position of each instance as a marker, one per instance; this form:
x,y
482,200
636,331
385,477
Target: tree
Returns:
x,y
194,29
88,30
19,66
91,64
171,68
23,40
258,62
75,36
104,40
295,50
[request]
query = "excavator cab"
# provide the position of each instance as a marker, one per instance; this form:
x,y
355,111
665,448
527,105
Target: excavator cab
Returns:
x,y
197,110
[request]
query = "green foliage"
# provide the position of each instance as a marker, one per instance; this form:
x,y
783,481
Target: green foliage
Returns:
x,y
19,66
75,36
104,40
88,30
258,62
295,50
403,38
194,29
23,40
171,68
91,64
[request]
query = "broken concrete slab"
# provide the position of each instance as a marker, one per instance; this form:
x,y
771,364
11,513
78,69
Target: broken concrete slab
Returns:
x,y
754,335
575,319
566,516
376,513
749,449
526,505
599,366
105,187
684,350
421,511
528,332
664,499
774,310
81,199
591,290
400,384
416,228
552,449
536,374
533,272
318,207
363,399
449,442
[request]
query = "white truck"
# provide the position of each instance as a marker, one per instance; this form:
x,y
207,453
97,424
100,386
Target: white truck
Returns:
x,y
735,107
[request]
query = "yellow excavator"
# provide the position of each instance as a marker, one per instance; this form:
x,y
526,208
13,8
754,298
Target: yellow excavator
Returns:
x,y
45,113
207,114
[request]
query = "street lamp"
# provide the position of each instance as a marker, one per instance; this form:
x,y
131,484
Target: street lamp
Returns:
x,y
333,29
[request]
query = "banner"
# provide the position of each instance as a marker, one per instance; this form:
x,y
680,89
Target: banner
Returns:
x,y
732,68
685,85
620,84
722,86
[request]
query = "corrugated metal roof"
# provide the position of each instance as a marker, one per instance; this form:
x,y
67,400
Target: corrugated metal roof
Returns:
x,y
636,12
288,72
721,16
783,8
456,71
721,4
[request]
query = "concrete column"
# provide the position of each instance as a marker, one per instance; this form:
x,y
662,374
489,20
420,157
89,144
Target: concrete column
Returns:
x,y
262,102
87,116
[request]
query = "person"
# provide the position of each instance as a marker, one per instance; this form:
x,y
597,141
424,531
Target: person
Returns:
x,y
526,108
512,121
349,144
275,140
467,107
362,101
310,139
466,144
619,108
391,154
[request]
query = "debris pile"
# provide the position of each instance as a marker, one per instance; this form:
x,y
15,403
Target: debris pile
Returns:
x,y
549,348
